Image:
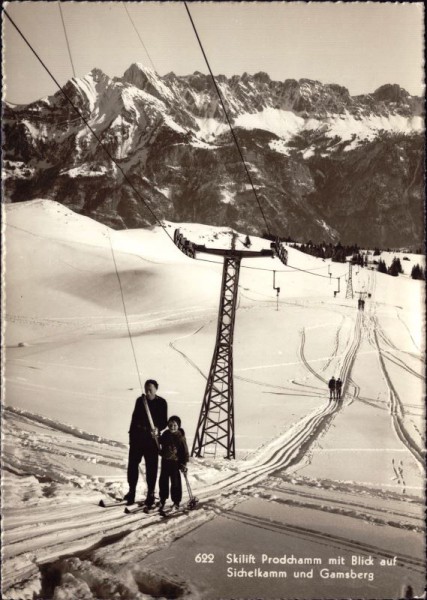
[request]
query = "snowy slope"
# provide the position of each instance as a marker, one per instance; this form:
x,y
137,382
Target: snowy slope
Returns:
x,y
71,382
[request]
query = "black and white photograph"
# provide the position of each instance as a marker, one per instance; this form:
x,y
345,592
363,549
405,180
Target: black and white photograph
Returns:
x,y
213,300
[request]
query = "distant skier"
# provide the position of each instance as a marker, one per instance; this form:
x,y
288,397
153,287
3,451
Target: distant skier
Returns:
x,y
175,455
359,304
338,386
143,442
331,386
362,304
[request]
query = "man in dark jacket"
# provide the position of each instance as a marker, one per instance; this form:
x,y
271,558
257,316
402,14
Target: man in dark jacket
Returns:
x,y
143,441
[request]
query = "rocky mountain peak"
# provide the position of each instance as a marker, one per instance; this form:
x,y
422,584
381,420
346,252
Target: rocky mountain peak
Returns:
x,y
98,76
146,79
319,155
138,75
262,77
391,92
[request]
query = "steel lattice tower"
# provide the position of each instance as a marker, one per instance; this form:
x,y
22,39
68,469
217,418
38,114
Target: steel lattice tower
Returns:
x,y
216,420
349,291
215,426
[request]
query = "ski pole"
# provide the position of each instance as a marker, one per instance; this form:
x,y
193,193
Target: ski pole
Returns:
x,y
193,500
150,420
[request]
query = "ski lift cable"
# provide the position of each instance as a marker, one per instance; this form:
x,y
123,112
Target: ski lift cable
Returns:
x,y
66,38
143,45
125,311
108,233
116,163
272,270
85,121
140,39
228,120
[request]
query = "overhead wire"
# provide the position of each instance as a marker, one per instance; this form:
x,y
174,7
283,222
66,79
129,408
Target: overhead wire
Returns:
x,y
228,120
140,39
85,121
276,270
66,38
125,311
126,178
117,165
239,149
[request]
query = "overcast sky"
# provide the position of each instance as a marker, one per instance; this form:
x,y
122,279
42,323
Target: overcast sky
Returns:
x,y
359,45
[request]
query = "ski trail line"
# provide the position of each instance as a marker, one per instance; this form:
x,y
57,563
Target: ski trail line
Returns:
x,y
396,410
86,527
409,562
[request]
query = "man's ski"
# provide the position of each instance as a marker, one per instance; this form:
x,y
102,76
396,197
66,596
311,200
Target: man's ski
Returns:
x,y
108,504
141,507
149,510
134,509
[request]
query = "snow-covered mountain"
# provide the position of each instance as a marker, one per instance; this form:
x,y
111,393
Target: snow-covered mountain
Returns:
x,y
326,165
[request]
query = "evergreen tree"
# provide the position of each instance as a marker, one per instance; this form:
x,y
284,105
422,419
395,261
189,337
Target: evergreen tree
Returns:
x,y
339,254
395,268
381,267
417,272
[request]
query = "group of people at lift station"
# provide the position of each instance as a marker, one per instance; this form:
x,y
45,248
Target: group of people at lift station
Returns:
x,y
361,304
335,386
152,434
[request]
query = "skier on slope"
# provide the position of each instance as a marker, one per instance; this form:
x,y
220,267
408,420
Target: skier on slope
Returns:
x,y
143,441
175,456
338,386
331,386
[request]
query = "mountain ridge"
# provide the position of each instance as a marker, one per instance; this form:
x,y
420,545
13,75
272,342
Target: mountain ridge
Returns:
x,y
300,141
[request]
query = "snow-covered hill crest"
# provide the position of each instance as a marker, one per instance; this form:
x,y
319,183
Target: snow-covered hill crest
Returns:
x,y
90,311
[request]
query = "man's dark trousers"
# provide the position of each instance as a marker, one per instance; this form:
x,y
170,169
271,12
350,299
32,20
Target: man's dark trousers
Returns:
x,y
143,446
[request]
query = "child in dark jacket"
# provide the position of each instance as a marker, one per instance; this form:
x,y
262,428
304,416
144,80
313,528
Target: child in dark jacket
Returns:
x,y
174,453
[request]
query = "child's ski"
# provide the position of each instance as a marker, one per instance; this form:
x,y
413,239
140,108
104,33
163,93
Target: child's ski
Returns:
x,y
171,512
184,509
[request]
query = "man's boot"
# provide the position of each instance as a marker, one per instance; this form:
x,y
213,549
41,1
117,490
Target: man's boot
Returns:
x,y
129,497
149,500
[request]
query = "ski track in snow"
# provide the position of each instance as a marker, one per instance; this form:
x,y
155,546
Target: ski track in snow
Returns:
x,y
355,507
48,455
173,345
392,357
334,541
397,410
397,413
84,529
418,356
